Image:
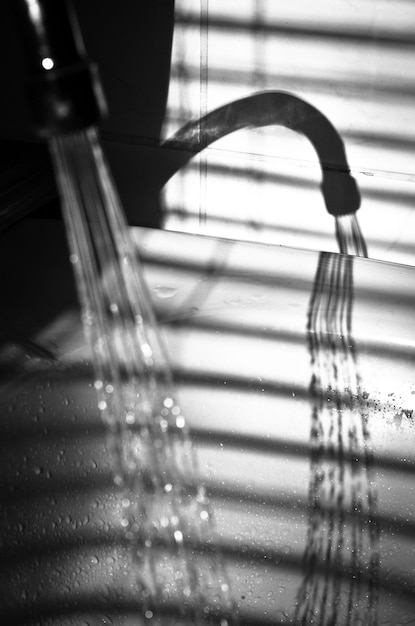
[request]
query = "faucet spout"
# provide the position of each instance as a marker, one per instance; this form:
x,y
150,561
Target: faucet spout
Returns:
x,y
62,87
339,188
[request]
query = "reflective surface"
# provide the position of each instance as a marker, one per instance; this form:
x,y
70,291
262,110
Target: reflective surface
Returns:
x,y
234,317
353,62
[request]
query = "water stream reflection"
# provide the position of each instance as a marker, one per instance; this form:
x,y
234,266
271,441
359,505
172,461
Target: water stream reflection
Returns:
x,y
341,482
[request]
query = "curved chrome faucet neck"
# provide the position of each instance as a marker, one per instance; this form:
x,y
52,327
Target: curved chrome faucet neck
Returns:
x,y
269,108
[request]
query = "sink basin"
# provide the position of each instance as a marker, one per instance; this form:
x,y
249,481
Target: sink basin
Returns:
x,y
234,317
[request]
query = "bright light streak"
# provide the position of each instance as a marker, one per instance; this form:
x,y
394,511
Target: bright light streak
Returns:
x,y
34,10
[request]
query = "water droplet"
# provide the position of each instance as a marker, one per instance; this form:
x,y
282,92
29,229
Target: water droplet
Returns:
x,y
147,351
130,418
165,291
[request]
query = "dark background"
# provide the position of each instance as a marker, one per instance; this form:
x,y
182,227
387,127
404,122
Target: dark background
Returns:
x,y
131,43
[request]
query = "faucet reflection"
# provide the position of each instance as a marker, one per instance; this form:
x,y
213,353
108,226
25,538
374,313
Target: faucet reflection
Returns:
x,y
270,108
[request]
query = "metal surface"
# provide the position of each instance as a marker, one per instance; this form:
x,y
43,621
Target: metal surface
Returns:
x,y
62,87
234,320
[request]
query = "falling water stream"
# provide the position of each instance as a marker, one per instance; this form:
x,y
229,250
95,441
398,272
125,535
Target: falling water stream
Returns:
x,y
166,520
166,517
339,587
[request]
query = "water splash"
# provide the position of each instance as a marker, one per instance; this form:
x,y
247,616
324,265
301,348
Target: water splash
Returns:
x,y
341,559
166,520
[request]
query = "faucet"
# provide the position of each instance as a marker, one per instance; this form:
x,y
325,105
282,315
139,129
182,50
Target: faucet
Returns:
x,y
63,89
65,95
339,188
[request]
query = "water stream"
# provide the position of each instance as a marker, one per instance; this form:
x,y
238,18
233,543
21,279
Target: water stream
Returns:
x,y
341,559
166,519
178,572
